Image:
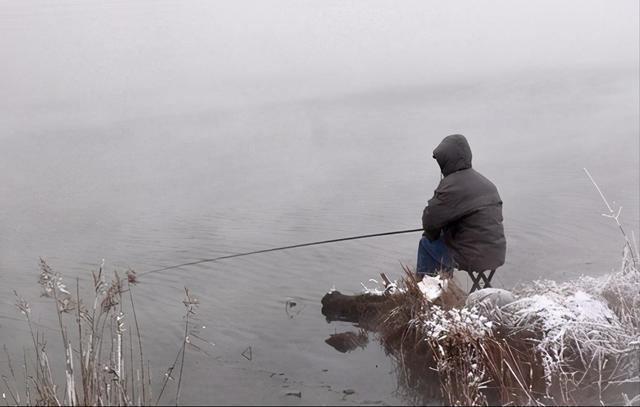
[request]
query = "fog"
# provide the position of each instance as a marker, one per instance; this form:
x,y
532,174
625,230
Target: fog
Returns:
x,y
114,59
153,133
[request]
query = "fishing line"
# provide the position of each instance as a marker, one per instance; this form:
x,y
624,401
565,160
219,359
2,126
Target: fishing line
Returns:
x,y
274,249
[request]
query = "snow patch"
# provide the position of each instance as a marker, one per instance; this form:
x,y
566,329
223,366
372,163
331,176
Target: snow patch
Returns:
x,y
432,287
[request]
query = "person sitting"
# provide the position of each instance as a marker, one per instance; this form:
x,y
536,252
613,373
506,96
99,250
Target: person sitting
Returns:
x,y
463,220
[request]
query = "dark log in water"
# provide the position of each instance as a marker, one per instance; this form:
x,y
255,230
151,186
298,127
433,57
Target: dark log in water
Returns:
x,y
419,381
362,309
365,309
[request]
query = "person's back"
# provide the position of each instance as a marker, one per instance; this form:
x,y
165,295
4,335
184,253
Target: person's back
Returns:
x,y
463,220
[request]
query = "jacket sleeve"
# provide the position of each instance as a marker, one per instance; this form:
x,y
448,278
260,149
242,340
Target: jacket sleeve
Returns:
x,y
437,214
430,233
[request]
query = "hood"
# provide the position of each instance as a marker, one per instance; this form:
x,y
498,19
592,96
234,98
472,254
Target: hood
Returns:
x,y
453,154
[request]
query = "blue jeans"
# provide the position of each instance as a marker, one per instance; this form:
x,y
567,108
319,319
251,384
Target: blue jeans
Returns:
x,y
433,256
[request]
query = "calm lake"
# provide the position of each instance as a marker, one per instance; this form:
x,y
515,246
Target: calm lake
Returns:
x,y
159,189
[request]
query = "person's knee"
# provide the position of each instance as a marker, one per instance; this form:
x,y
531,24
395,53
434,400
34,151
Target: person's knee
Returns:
x,y
425,242
431,273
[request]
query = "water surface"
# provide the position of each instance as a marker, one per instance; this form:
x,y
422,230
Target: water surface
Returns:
x,y
156,190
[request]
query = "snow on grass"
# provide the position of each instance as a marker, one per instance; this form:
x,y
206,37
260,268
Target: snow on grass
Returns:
x,y
581,334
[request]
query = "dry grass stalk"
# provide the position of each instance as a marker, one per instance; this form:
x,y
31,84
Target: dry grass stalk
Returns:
x,y
133,280
513,355
571,343
98,380
190,303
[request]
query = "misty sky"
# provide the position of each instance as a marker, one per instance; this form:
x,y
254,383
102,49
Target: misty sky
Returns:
x,y
146,55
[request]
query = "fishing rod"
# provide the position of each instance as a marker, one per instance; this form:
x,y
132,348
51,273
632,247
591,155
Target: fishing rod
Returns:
x,y
274,249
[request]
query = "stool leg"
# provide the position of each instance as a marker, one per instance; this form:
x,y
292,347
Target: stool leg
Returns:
x,y
490,277
485,280
479,279
476,281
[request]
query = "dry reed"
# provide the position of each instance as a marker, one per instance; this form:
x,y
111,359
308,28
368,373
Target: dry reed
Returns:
x,y
572,343
89,377
557,344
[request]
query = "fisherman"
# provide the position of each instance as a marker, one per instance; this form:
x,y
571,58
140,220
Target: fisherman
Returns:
x,y
463,220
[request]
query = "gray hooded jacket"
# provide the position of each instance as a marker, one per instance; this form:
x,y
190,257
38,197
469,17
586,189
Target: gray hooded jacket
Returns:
x,y
466,210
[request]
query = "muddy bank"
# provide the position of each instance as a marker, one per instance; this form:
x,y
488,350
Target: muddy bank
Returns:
x,y
543,343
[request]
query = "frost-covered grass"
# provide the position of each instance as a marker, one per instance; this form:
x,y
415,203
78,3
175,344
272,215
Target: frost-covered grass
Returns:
x,y
104,359
571,343
591,333
576,342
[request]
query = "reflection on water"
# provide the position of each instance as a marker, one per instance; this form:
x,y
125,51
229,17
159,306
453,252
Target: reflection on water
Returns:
x,y
157,191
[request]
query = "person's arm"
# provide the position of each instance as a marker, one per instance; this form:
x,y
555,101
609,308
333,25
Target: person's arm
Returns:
x,y
430,232
437,214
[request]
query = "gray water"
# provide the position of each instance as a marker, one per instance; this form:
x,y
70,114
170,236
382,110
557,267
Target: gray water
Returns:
x,y
150,133
154,191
